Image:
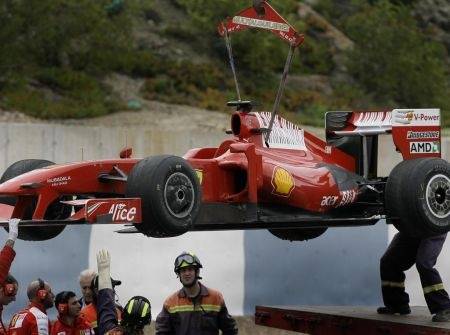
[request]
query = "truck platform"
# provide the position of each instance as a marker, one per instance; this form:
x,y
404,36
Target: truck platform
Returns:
x,y
343,320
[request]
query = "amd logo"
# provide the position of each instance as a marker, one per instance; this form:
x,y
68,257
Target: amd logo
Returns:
x,y
120,212
424,147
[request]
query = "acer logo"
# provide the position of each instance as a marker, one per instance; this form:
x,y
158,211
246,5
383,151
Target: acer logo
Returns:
x,y
329,200
120,212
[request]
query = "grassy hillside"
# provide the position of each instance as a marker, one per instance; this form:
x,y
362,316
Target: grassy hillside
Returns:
x,y
55,54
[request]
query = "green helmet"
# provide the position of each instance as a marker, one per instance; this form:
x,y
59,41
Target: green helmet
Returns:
x,y
186,259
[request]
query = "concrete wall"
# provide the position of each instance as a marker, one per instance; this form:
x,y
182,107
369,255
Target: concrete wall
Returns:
x,y
251,267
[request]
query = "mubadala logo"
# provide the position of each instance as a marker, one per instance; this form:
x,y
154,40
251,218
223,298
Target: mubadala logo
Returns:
x,y
419,135
58,181
424,147
120,212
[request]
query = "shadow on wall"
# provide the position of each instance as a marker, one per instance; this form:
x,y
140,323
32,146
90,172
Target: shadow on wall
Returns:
x,y
58,261
340,267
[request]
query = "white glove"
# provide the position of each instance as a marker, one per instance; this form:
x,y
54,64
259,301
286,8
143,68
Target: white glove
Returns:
x,y
13,226
103,265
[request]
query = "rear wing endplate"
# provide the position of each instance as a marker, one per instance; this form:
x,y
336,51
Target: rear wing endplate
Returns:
x,y
416,132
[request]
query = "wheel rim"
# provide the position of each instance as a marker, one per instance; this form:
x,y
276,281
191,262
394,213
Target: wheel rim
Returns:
x,y
438,196
179,195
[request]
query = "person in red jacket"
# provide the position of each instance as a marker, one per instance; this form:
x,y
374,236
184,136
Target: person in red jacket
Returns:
x,y
8,284
69,321
33,320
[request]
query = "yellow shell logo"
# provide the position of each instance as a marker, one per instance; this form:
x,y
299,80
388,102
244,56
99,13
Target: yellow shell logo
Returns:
x,y
282,182
409,116
199,175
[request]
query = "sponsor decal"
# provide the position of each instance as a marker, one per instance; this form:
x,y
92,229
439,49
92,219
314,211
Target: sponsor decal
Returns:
x,y
424,147
329,200
282,182
348,197
264,24
91,209
58,181
14,320
422,135
120,212
288,38
416,117
328,149
199,175
410,116
425,117
17,320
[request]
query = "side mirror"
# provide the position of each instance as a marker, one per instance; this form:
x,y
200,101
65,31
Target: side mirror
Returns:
x,y
126,152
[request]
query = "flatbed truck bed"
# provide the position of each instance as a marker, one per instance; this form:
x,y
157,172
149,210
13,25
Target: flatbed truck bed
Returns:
x,y
343,320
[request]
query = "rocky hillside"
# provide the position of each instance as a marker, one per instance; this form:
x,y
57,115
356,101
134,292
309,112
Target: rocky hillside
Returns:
x,y
57,58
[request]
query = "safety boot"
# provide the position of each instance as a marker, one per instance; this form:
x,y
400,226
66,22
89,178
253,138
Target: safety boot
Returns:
x,y
402,310
442,316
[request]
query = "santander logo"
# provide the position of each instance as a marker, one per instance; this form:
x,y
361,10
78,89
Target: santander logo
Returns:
x,y
120,212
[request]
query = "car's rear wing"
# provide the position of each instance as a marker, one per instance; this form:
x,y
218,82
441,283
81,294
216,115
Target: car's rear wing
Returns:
x,y
415,132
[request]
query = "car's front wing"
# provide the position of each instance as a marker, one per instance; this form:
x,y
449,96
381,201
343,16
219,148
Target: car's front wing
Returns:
x,y
87,211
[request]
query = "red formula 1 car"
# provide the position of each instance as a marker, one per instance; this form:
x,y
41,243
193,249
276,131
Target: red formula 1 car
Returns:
x,y
270,174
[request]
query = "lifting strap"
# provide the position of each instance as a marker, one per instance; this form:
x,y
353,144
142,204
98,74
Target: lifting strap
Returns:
x,y
231,58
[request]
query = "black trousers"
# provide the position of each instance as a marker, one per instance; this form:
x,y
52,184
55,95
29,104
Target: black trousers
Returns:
x,y
402,254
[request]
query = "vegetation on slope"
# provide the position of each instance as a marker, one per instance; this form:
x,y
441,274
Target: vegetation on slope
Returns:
x,y
55,53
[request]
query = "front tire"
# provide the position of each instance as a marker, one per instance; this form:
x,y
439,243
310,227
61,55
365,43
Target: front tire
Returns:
x,y
170,195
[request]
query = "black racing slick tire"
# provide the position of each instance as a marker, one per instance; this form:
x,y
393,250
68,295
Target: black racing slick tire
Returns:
x,y
170,195
297,234
417,197
55,211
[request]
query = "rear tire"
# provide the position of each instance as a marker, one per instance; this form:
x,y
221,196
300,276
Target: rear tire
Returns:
x,y
418,197
55,211
297,234
170,195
